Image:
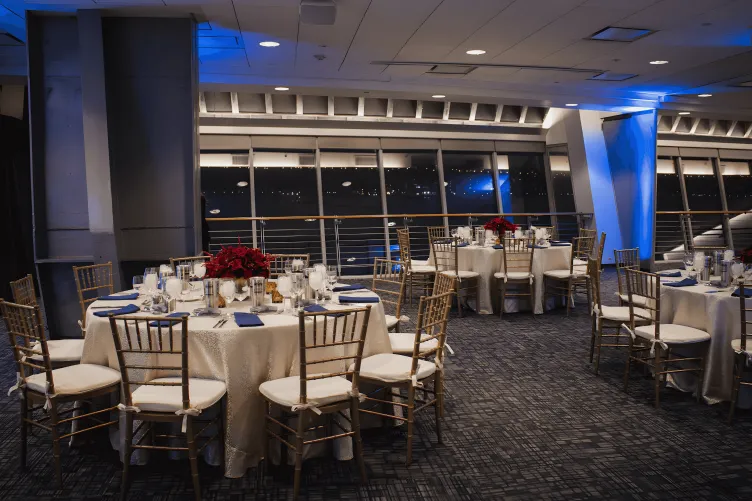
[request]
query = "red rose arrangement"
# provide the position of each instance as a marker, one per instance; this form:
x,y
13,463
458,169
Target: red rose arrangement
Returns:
x,y
499,225
747,256
238,262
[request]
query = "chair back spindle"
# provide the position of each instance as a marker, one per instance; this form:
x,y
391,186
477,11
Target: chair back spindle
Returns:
x,y
91,282
433,313
389,282
745,311
26,335
23,291
648,286
518,255
277,262
625,259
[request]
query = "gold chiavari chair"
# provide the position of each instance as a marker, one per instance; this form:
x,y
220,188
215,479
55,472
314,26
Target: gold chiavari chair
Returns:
x,y
742,350
564,283
552,231
277,262
177,261
62,351
518,270
607,320
393,371
446,259
659,340
442,284
23,291
91,281
331,350
585,232
389,283
46,390
626,259
153,346
419,275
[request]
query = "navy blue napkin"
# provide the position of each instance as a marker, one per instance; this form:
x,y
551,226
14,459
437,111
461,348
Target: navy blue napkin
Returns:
x,y
247,319
463,244
358,299
122,297
681,283
747,292
498,246
672,274
166,323
344,288
125,310
560,244
317,308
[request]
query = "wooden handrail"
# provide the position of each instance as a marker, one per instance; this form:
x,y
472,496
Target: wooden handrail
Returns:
x,y
382,216
702,212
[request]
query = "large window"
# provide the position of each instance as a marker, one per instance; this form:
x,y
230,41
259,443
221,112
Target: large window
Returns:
x,y
527,175
737,182
469,185
225,189
285,185
668,228
561,179
701,183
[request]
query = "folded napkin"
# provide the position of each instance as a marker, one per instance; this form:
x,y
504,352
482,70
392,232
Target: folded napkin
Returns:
x,y
672,274
359,299
557,241
316,308
747,292
247,319
560,244
125,310
463,244
122,297
498,246
344,288
681,283
166,323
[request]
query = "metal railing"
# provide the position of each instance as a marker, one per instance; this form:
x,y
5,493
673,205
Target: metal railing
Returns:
x,y
678,231
353,242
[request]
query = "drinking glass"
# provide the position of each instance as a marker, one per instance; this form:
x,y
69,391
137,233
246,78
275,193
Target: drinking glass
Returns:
x,y
287,266
297,288
138,282
737,270
227,290
199,269
317,282
151,280
284,286
331,278
689,262
173,287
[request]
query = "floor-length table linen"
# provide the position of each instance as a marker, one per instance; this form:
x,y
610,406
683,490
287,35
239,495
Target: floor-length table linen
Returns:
x,y
486,261
242,357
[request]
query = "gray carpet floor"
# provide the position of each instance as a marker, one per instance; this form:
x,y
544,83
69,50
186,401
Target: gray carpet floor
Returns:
x,y
526,418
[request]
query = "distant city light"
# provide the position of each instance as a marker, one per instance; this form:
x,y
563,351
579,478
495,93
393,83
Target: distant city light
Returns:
x,y
242,183
269,44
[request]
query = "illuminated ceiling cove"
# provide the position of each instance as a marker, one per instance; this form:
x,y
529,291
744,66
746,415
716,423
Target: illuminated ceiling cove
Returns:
x,y
547,53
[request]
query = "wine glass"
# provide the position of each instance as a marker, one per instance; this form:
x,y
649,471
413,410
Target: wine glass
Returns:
x,y
297,288
227,290
689,262
173,287
284,285
287,266
151,280
138,282
317,282
331,278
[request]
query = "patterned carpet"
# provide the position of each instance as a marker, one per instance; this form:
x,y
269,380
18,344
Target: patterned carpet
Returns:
x,y
525,419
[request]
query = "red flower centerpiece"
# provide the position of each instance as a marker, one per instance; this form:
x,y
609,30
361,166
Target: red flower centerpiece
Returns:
x,y
238,262
746,256
499,225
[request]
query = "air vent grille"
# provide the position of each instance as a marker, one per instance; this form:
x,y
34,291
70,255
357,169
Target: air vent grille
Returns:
x,y
451,69
240,160
307,160
365,160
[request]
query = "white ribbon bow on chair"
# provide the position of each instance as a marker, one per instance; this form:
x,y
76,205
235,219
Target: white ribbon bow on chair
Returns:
x,y
128,408
304,407
47,395
185,413
653,341
361,396
18,385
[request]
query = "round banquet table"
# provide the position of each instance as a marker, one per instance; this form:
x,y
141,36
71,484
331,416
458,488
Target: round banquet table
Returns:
x,y
716,313
242,357
486,261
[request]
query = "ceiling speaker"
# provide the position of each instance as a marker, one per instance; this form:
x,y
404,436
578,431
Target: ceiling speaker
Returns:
x,y
318,12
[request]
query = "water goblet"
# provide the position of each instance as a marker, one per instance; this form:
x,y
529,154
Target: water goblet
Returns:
x,y
284,287
138,282
297,288
227,290
316,281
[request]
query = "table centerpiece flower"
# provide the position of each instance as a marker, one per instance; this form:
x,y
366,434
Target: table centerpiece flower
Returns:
x,y
238,263
499,225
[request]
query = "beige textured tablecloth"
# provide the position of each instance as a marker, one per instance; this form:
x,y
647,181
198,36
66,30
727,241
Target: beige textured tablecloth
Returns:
x,y
486,261
243,358
718,315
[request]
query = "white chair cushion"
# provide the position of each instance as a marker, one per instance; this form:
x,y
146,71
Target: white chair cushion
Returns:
x,y
621,314
286,391
393,368
422,268
514,275
203,392
579,262
75,379
391,321
462,273
419,262
402,342
673,333
736,345
563,273
638,300
62,350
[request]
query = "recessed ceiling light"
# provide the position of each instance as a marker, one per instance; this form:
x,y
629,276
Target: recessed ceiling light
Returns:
x,y
684,113
242,183
438,96
269,44
476,52
704,95
214,211
658,62
346,183
571,104
446,183
282,88
615,34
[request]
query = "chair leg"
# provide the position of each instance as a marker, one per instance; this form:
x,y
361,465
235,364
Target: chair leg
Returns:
x,y
629,361
193,458
221,432
459,301
56,445
355,418
503,296
262,472
569,295
437,388
593,321
24,426
299,434
657,378
410,419
127,451
599,341
734,387
701,379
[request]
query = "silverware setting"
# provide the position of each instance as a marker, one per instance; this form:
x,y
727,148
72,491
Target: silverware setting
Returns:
x,y
220,323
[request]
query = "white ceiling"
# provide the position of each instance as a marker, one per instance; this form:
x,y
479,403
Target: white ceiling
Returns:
x,y
708,44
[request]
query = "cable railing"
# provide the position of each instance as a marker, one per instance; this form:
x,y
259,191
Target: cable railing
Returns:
x,y
353,242
679,231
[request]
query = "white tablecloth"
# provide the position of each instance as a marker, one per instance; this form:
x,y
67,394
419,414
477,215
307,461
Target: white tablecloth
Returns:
x,y
243,358
486,261
718,315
